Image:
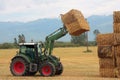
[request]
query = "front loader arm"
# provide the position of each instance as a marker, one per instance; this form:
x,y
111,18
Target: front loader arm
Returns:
x,y
49,43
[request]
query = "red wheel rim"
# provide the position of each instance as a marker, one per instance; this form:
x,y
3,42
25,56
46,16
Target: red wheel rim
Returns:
x,y
19,67
46,70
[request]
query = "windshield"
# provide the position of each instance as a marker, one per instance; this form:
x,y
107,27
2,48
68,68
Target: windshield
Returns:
x,y
25,48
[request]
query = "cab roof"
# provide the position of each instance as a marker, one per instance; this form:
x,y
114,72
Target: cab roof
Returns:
x,y
27,43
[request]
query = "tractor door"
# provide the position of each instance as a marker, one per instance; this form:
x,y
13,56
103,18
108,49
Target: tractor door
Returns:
x,y
28,50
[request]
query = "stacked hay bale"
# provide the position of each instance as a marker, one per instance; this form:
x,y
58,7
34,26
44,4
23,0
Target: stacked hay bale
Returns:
x,y
109,50
106,54
75,22
116,25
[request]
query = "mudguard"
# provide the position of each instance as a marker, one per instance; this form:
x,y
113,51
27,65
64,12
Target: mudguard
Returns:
x,y
22,56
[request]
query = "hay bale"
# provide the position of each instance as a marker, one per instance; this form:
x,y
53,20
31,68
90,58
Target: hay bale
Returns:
x,y
117,38
75,22
117,51
116,16
107,72
107,67
105,51
107,63
118,61
105,39
116,27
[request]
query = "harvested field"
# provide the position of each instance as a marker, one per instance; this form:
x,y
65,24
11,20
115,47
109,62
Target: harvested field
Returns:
x,y
77,65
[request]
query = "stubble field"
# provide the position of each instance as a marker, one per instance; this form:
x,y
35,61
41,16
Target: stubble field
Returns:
x,y
77,65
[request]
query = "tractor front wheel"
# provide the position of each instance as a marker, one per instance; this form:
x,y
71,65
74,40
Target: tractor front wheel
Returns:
x,y
18,67
47,69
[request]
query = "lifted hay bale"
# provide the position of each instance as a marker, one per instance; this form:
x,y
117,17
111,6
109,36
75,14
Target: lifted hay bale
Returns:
x,y
116,27
105,51
116,16
105,39
75,22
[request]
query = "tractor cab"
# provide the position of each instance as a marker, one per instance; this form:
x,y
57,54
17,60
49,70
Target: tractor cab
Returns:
x,y
30,49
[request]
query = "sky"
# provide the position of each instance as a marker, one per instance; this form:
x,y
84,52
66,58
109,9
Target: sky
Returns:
x,y
29,10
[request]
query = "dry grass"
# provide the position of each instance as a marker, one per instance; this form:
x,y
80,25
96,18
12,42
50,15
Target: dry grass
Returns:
x,y
77,65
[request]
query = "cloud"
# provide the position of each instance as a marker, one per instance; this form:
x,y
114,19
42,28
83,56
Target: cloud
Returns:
x,y
27,10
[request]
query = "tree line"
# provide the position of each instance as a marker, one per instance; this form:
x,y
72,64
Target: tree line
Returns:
x,y
76,41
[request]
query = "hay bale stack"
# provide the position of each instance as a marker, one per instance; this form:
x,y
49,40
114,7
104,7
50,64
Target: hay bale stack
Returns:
x,y
105,39
116,27
109,50
75,22
107,67
105,51
106,54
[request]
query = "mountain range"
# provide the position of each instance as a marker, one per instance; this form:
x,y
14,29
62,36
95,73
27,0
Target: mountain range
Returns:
x,y
39,29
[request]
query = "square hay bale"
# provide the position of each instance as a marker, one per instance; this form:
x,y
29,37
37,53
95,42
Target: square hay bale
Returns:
x,y
116,16
107,67
118,62
117,38
107,72
105,39
75,22
105,51
116,27
107,63
117,51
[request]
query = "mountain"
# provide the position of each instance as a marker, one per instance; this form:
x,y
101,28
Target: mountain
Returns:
x,y
39,29
103,23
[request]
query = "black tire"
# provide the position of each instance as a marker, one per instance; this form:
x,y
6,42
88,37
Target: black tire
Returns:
x,y
59,69
47,69
19,67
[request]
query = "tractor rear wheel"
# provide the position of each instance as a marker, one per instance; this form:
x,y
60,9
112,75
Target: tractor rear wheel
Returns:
x,y
47,69
59,69
19,67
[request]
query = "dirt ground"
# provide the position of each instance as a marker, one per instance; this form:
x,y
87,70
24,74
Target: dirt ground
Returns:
x,y
78,65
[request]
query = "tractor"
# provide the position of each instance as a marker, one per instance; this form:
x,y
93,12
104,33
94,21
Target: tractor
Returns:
x,y
34,57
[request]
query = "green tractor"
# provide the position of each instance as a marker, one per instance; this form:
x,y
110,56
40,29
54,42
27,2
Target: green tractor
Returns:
x,y
34,57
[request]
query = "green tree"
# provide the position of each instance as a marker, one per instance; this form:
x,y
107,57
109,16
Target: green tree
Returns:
x,y
81,40
21,38
15,41
96,32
